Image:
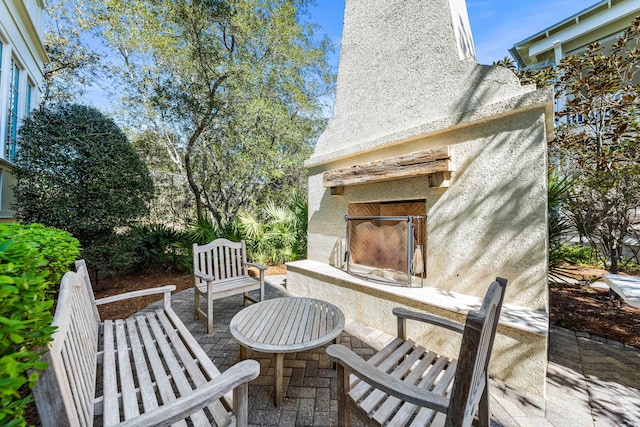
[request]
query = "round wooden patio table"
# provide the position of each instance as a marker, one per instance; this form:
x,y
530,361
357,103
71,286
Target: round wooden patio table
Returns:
x,y
285,325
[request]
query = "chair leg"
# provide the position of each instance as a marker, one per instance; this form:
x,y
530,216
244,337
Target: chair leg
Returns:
x,y
484,415
196,313
343,390
241,404
246,298
261,285
209,313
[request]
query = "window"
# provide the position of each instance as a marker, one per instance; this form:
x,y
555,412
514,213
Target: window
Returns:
x,y
27,110
12,113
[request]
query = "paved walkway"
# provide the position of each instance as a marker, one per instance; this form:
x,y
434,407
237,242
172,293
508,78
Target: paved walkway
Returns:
x,y
590,382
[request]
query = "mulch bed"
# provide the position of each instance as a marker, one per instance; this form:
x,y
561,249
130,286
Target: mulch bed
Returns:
x,y
580,307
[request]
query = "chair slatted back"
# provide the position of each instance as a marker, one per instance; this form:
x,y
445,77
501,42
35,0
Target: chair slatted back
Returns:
x,y
475,353
221,258
73,353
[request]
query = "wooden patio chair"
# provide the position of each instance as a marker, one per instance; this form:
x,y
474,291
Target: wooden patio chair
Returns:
x,y
220,270
404,384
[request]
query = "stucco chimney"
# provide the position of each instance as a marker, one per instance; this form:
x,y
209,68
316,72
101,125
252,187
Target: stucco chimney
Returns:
x,y
405,63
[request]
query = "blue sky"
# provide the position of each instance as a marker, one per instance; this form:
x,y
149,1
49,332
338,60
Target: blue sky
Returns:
x,y
496,24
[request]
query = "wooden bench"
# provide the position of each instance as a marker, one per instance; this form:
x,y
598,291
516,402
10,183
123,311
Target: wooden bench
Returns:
x,y
406,384
220,270
142,371
627,287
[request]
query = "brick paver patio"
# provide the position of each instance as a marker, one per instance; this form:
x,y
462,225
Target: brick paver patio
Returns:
x,y
309,380
590,381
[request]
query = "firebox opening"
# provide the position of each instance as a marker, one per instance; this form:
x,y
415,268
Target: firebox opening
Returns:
x,y
386,241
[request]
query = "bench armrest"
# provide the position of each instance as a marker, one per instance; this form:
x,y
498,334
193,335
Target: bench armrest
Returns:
x,y
166,290
256,265
402,314
236,376
383,381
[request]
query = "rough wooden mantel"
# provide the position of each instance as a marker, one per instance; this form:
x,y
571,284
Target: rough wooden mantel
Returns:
x,y
425,162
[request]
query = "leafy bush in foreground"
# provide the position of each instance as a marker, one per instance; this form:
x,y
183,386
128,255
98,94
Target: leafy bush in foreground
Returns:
x,y
25,325
58,248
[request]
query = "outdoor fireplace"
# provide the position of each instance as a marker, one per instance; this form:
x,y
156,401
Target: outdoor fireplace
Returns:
x,y
385,241
419,124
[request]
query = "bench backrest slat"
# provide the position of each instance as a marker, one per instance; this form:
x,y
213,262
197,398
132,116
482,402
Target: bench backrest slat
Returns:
x,y
66,390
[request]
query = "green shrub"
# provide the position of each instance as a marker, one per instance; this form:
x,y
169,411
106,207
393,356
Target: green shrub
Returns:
x,y
113,254
59,248
163,247
25,324
139,247
577,254
77,171
279,235
204,231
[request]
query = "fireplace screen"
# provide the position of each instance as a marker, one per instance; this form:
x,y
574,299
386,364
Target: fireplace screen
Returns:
x,y
386,248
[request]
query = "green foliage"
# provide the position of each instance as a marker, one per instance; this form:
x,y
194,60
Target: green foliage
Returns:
x,y
577,254
281,233
173,201
77,171
160,246
140,247
203,231
631,268
59,248
114,254
596,141
540,77
232,92
559,223
25,325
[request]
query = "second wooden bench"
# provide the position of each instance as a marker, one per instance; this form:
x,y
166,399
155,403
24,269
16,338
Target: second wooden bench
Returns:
x,y
142,371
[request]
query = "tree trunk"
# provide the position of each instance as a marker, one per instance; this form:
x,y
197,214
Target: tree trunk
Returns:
x,y
614,259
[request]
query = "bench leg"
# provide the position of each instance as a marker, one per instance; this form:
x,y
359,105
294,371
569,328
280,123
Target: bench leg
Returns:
x,y
278,379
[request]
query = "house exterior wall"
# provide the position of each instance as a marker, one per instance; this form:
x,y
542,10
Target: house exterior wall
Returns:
x,y
22,51
603,20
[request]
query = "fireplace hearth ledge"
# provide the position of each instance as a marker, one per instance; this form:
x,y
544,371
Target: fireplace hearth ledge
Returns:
x,y
519,356
513,316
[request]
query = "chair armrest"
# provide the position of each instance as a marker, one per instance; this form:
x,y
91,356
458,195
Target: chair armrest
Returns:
x,y
200,275
383,381
203,396
403,313
144,292
258,266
